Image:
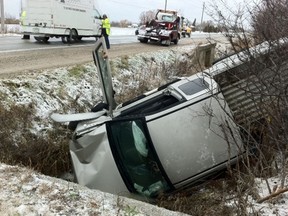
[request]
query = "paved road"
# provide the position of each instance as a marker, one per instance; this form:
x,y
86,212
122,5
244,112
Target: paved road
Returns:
x,y
15,43
20,56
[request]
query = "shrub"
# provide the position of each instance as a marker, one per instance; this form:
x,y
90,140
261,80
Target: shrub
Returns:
x,y
46,151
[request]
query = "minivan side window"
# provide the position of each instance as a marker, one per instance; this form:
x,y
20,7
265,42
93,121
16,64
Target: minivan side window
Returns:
x,y
136,160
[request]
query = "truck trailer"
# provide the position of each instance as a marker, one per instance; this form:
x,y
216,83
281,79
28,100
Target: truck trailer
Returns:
x,y
70,20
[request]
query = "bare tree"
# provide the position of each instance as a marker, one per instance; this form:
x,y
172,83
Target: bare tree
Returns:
x,y
256,89
270,20
147,16
124,23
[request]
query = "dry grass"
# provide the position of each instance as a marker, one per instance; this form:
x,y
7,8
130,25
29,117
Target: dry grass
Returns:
x,y
46,152
152,75
211,197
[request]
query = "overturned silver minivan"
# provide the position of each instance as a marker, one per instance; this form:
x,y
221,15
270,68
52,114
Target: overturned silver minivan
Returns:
x,y
158,142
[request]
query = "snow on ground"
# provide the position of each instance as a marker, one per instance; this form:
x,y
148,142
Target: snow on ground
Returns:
x,y
24,192
53,90
276,206
122,31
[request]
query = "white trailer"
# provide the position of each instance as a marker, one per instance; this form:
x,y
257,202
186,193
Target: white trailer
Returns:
x,y
69,20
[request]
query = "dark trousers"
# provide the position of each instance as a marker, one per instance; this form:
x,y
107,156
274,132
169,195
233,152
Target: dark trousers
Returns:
x,y
106,36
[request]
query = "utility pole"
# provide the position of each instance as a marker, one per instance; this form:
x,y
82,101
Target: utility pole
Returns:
x,y
165,5
202,15
2,16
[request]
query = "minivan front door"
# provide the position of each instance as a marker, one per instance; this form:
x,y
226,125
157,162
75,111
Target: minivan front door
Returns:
x,y
100,56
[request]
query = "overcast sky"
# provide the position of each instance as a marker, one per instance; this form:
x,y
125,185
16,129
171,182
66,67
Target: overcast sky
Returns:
x,y
131,9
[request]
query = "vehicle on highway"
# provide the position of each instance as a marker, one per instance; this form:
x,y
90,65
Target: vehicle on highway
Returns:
x,y
186,31
163,29
161,141
68,20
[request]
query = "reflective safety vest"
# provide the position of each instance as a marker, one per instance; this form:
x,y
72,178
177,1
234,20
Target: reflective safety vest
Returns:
x,y
23,17
106,25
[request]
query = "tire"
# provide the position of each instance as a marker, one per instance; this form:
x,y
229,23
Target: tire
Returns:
x,y
37,39
74,35
166,42
64,39
26,37
145,40
42,39
176,41
45,39
68,37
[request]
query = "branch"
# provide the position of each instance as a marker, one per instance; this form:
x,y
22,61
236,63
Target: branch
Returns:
x,y
274,194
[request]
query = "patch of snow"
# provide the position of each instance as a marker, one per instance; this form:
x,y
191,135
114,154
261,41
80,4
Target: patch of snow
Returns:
x,y
275,206
122,31
55,90
25,192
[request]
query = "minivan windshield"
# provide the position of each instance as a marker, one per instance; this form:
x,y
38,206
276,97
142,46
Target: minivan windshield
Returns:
x,y
136,158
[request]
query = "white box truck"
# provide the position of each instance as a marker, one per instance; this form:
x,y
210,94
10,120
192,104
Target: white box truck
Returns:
x,y
69,20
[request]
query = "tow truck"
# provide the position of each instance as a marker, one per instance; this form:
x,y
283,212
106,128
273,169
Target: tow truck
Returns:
x,y
164,29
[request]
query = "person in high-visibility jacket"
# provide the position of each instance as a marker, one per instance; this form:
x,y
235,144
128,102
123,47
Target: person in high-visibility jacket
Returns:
x,y
23,23
23,17
106,30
